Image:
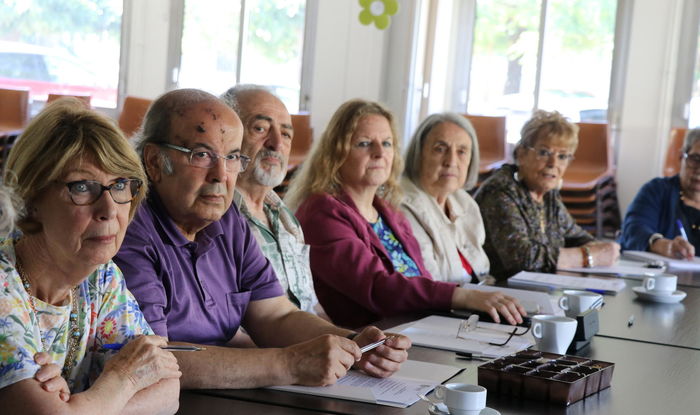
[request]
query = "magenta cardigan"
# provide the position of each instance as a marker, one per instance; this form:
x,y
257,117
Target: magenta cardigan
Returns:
x,y
354,278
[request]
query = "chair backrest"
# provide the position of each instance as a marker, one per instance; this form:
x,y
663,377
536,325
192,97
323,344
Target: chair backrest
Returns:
x,y
14,109
491,134
86,99
303,138
132,114
672,163
593,147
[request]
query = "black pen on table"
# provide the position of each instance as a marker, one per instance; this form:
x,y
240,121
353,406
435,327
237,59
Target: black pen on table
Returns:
x,y
172,348
472,356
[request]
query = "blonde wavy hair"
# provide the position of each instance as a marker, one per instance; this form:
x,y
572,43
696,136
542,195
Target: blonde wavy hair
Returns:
x,y
63,134
320,171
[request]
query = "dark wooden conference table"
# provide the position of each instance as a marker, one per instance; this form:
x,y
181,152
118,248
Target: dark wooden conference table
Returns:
x,y
657,364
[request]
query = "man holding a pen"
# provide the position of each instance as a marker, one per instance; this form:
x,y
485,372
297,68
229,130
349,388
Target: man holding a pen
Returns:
x,y
191,261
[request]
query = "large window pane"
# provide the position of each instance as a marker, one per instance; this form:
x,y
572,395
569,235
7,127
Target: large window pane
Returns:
x,y
273,47
51,46
210,45
577,58
504,61
271,52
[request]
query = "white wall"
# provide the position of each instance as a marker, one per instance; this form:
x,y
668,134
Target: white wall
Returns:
x,y
147,47
649,83
348,61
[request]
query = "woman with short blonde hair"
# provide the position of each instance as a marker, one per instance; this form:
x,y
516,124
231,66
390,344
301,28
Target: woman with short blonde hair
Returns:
x,y
64,299
527,225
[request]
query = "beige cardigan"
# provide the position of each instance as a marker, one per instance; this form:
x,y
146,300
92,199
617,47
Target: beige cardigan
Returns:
x,y
440,237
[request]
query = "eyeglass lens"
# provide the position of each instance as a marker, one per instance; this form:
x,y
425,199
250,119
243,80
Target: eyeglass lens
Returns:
x,y
87,192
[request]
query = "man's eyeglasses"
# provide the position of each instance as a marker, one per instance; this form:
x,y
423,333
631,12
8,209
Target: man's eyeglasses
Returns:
x,y
87,192
544,154
206,159
692,160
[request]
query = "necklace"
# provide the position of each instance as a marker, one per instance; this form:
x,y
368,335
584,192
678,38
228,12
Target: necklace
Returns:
x,y
74,332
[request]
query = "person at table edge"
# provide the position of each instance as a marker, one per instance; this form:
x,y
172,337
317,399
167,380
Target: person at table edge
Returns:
x,y
527,225
652,220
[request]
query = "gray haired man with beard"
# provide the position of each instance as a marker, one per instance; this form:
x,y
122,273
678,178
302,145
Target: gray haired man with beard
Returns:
x,y
267,140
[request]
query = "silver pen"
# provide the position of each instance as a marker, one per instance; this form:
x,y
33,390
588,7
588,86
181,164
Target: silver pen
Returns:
x,y
374,345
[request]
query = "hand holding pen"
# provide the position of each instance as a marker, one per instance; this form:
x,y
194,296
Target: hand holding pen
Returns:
x,y
385,360
680,246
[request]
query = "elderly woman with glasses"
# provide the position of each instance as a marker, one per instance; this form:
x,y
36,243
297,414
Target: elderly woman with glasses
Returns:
x,y
442,162
664,217
527,225
365,261
79,183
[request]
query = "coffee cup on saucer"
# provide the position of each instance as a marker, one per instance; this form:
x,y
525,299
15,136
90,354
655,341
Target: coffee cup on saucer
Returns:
x,y
462,398
553,334
577,302
662,284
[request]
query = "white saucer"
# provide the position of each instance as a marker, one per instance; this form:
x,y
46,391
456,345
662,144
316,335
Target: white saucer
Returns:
x,y
441,409
656,297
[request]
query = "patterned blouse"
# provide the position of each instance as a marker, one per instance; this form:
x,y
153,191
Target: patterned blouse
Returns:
x,y
522,234
399,258
108,313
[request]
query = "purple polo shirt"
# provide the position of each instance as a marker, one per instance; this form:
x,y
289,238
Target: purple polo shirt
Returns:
x,y
194,291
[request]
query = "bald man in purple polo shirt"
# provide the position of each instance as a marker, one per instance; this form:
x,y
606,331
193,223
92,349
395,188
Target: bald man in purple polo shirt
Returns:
x,y
193,264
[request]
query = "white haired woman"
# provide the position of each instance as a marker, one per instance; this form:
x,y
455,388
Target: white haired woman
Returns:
x,y
442,163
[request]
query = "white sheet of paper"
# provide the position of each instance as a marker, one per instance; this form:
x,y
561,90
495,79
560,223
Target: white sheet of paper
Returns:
x,y
679,264
555,281
400,390
440,332
624,268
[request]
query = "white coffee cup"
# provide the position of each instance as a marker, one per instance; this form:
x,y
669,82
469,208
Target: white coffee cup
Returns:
x,y
462,398
661,284
553,334
576,302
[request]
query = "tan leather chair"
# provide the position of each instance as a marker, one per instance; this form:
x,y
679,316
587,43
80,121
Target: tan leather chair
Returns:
x,y
132,114
303,138
14,110
593,162
672,163
491,135
86,99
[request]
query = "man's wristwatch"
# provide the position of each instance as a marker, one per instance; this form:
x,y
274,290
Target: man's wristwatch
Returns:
x,y
587,257
653,238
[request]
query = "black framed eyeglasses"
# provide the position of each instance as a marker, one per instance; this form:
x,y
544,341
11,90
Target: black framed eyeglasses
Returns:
x,y
204,158
544,154
472,323
87,192
692,160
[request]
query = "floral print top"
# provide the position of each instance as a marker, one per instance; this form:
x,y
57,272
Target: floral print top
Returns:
x,y
399,258
108,313
522,234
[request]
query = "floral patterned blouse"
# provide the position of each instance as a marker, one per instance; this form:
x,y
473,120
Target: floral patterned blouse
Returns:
x,y
399,258
522,234
108,313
